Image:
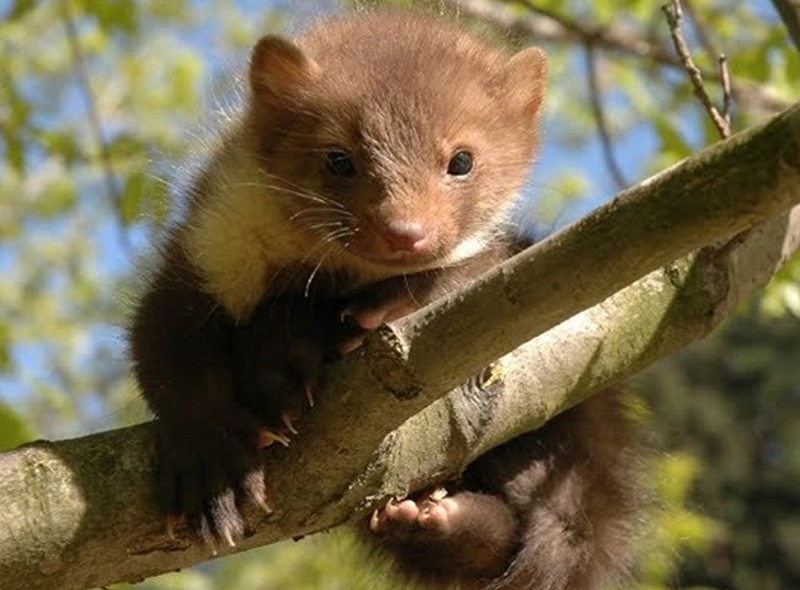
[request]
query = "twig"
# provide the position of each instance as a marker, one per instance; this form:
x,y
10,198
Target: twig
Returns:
x,y
617,37
700,30
714,54
674,16
725,81
789,10
600,118
84,83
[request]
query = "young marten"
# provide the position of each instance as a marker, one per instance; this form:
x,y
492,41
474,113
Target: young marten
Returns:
x,y
373,169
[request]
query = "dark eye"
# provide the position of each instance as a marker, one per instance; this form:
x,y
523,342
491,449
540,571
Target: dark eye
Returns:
x,y
460,164
341,164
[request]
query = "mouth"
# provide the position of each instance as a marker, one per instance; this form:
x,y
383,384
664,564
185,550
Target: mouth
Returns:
x,y
401,261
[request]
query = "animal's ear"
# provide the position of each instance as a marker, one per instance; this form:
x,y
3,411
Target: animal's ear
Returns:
x,y
526,74
279,69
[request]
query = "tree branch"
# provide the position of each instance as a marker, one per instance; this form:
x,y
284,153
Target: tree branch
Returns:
x,y
78,513
700,30
599,114
674,15
543,26
789,10
95,125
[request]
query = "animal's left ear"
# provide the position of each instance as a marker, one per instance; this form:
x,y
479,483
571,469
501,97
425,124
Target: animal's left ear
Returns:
x,y
526,76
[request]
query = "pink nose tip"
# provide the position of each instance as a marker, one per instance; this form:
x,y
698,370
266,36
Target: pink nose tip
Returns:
x,y
405,236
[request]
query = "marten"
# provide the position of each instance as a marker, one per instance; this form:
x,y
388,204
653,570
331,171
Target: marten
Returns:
x,y
373,168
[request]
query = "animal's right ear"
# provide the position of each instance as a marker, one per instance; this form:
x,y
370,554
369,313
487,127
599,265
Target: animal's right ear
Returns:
x,y
279,69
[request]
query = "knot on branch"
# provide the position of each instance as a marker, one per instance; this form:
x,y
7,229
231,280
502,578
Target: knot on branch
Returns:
x,y
386,357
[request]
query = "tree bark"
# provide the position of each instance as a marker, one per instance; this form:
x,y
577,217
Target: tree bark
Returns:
x,y
79,513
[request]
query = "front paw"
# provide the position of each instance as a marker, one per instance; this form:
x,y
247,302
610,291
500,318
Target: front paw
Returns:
x,y
205,475
374,306
278,360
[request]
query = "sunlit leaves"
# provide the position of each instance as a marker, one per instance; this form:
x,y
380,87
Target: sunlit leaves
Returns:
x,y
13,429
19,9
114,15
783,294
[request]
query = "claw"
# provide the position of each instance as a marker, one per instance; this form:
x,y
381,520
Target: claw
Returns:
x,y
267,437
438,495
287,421
228,537
375,522
350,345
211,545
261,502
170,522
310,395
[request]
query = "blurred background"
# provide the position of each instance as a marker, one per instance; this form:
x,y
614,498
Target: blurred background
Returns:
x,y
104,105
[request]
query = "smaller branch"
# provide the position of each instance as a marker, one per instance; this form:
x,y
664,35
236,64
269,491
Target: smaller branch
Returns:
x,y
573,26
95,124
674,16
725,81
618,38
700,30
789,10
600,118
715,55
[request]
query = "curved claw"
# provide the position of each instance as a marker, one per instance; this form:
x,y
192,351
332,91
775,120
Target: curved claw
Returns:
x,y
262,503
171,521
288,421
375,522
437,495
309,395
267,437
228,538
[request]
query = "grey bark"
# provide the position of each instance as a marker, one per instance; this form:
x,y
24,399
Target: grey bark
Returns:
x,y
79,514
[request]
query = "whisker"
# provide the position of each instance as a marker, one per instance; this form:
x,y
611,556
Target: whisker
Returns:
x,y
310,210
315,271
409,291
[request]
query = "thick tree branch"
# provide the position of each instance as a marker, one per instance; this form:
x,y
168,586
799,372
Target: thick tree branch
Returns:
x,y
78,514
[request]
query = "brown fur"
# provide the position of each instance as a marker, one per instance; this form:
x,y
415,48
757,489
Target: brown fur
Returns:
x,y
246,304
269,197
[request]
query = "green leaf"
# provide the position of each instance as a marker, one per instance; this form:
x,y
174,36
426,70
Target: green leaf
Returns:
x,y
669,134
114,15
20,9
61,143
6,363
753,64
184,76
15,151
13,430
127,146
59,198
143,196
133,197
